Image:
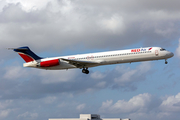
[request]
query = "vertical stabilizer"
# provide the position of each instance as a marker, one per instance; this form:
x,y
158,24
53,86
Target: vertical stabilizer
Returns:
x,y
27,54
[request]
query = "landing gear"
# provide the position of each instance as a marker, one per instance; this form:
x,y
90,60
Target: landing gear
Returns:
x,y
86,71
166,62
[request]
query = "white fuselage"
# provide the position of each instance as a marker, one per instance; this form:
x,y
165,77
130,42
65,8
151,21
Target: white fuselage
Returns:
x,y
106,58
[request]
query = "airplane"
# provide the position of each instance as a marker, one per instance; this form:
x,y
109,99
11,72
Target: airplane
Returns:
x,y
85,61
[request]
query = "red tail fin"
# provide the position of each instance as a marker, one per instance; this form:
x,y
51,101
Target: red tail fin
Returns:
x,y
27,54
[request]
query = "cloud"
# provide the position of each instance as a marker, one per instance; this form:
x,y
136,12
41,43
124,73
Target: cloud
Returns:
x,y
30,5
178,50
85,25
50,99
171,103
138,103
80,107
4,113
130,76
144,106
15,72
57,76
170,107
4,108
28,115
5,104
34,83
114,24
97,75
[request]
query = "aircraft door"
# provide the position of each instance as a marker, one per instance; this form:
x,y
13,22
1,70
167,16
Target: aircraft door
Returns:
x,y
156,52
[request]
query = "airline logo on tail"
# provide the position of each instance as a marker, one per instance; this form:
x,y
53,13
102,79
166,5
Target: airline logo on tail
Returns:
x,y
27,54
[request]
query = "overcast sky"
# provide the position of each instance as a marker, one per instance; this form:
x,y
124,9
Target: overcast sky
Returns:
x,y
147,90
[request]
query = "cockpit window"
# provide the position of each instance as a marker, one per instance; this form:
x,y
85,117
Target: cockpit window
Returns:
x,y
162,49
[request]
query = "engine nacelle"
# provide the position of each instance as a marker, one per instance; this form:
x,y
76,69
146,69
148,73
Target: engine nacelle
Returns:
x,y
49,63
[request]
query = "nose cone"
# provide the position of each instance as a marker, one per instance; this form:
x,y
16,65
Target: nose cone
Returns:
x,y
170,54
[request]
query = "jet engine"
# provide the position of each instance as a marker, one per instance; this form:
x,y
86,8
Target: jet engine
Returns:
x,y
49,63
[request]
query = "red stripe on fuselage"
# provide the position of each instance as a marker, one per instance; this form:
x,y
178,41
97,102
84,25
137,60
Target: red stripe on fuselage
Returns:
x,y
50,63
26,58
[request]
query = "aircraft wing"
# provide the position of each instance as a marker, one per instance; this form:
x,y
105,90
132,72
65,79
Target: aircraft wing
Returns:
x,y
80,64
